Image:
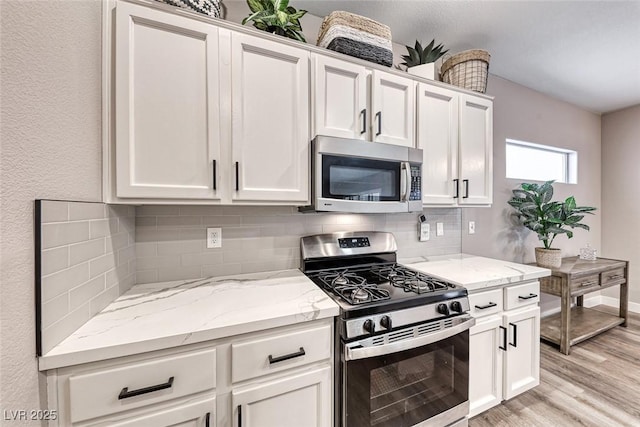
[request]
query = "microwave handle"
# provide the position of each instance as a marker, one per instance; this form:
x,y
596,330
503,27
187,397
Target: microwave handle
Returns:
x,y
405,181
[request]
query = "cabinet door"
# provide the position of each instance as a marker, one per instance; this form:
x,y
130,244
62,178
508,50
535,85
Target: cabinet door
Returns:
x,y
167,111
522,358
340,92
270,123
485,365
437,136
190,414
393,109
476,150
298,400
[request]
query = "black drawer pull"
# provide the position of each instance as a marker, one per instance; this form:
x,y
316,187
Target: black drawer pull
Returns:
x,y
515,335
528,296
273,360
125,393
484,307
504,339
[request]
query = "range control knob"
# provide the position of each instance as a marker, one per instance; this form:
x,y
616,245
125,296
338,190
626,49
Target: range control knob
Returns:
x,y
369,326
443,309
385,322
456,306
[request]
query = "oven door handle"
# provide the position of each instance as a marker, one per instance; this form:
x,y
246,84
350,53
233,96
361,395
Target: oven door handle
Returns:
x,y
381,350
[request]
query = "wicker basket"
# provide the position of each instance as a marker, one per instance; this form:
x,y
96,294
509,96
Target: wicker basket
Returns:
x,y
548,258
205,7
468,69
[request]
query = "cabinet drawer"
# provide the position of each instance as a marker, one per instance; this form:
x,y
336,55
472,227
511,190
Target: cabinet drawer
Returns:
x,y
521,295
253,358
612,277
485,303
585,284
132,386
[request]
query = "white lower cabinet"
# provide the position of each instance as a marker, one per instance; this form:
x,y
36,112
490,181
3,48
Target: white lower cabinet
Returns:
x,y
276,377
303,399
504,347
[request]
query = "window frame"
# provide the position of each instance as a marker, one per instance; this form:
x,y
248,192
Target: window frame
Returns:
x,y
570,163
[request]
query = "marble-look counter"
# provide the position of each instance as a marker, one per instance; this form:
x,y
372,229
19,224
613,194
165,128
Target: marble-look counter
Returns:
x,y
162,315
475,272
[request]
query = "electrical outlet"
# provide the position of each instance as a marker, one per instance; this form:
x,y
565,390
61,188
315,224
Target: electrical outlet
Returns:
x,y
424,231
439,229
214,238
472,227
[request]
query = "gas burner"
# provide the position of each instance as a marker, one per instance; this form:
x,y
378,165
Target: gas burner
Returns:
x,y
409,280
342,278
360,294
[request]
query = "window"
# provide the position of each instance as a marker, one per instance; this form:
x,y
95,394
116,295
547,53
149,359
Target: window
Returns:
x,y
526,160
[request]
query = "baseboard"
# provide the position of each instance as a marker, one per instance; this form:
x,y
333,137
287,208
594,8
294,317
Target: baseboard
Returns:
x,y
634,307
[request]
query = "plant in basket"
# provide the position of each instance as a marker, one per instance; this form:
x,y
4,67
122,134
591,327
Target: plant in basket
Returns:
x,y
548,218
276,16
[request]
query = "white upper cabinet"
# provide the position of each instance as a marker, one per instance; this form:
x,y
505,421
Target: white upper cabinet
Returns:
x,y
167,111
437,136
270,120
351,101
455,130
340,98
476,150
393,108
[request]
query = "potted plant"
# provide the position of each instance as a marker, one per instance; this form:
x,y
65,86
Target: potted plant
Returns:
x,y
421,61
276,16
547,218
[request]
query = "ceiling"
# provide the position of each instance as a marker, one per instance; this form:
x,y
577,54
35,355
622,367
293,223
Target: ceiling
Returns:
x,y
584,52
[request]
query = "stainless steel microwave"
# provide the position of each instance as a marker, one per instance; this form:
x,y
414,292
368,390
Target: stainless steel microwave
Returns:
x,y
364,177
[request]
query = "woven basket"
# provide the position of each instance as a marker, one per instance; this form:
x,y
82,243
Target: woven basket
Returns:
x,y
205,7
468,69
548,258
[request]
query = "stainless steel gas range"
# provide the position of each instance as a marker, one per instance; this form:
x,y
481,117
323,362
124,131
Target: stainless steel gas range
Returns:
x,y
402,337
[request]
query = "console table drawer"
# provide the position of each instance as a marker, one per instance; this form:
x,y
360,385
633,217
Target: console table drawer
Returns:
x,y
612,277
585,284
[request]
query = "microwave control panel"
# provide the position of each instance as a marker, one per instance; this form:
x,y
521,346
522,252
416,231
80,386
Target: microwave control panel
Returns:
x,y
416,183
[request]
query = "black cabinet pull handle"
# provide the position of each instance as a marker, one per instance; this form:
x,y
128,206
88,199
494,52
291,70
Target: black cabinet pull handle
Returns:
x,y
504,339
239,415
379,118
466,188
237,177
457,182
364,121
484,307
528,296
515,335
273,360
214,174
125,393
207,420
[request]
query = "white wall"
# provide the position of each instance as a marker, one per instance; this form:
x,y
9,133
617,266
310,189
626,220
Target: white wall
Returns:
x,y
524,114
620,180
51,125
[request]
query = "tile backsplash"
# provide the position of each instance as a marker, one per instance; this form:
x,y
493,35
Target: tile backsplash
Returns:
x,y
171,240
87,259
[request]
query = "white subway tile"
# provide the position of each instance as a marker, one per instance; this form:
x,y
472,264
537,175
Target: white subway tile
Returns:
x,y
103,299
200,210
80,210
147,276
60,330
63,281
152,210
179,273
64,233
84,251
221,270
146,250
102,264
127,254
85,292
53,211
53,260
201,259
116,242
54,310
104,227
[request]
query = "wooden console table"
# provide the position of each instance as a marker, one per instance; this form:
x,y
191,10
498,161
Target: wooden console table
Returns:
x,y
575,278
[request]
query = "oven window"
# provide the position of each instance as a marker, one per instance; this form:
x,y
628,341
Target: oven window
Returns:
x,y
406,388
360,179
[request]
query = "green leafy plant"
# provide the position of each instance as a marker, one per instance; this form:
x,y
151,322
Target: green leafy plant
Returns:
x,y
418,56
276,16
546,217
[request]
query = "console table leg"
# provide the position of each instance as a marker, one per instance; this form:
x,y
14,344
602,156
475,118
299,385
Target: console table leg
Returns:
x,y
624,298
565,320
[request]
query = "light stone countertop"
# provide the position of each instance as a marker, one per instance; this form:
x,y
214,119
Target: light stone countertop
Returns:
x,y
169,314
474,272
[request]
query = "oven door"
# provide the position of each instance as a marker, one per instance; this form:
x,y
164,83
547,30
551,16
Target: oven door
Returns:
x,y
406,377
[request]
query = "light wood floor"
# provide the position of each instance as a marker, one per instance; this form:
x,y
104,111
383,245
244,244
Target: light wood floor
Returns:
x,y
598,384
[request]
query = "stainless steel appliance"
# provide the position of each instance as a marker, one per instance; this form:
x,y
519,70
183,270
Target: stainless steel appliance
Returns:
x,y
402,337
364,177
